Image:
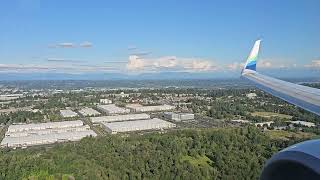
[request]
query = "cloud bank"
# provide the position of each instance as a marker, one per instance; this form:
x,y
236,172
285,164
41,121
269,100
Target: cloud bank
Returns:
x,y
169,63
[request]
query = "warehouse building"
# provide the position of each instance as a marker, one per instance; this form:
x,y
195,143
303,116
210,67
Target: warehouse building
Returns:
x,y
89,112
140,108
39,126
35,139
303,123
8,97
179,116
105,101
67,113
45,133
125,117
139,125
112,109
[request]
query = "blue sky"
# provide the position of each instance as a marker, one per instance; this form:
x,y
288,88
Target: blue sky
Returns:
x,y
155,36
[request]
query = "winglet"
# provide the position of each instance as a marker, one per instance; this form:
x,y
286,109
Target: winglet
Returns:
x,y
251,63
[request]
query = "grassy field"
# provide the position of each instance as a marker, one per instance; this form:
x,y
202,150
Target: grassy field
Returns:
x,y
271,114
197,161
286,135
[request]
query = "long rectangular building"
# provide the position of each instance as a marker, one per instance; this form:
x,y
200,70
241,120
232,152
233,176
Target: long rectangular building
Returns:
x,y
138,125
89,112
140,108
36,139
179,116
68,113
39,126
125,117
112,109
45,133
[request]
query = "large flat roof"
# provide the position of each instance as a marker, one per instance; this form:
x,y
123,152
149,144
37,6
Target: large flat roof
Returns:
x,y
38,126
88,112
45,139
68,113
124,117
138,125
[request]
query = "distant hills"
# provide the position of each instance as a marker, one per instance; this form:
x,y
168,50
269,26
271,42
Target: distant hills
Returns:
x,y
281,73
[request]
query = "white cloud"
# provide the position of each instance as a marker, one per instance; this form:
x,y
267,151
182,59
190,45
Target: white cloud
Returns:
x,y
64,60
135,63
68,68
172,63
313,64
132,47
66,45
200,65
86,44
264,64
233,66
166,62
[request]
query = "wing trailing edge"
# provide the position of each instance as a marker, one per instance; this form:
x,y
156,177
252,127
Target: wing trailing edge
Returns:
x,y
305,97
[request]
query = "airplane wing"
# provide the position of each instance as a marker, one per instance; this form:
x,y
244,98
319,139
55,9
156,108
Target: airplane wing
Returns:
x,y
305,97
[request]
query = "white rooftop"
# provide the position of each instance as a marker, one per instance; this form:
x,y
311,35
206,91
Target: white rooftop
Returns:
x,y
304,123
89,112
138,125
50,125
68,113
36,139
125,117
113,109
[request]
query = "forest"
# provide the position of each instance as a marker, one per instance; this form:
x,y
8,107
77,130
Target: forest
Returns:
x,y
226,153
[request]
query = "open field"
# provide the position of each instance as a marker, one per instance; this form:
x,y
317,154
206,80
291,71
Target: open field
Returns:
x,y
197,161
271,114
286,135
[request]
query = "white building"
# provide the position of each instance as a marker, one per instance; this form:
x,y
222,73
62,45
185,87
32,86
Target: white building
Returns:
x,y
179,116
303,123
251,95
126,117
8,97
39,126
89,112
240,121
105,101
45,133
138,125
68,113
264,123
112,109
140,108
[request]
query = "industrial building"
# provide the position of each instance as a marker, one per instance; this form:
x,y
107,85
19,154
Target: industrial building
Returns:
x,y
45,133
112,109
268,124
68,113
39,126
139,125
179,116
89,112
240,121
303,123
251,95
105,101
36,139
140,108
8,97
126,117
